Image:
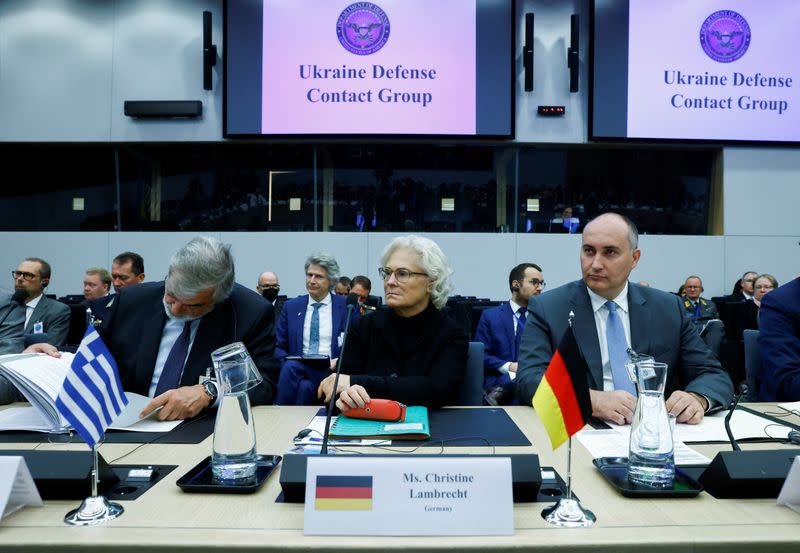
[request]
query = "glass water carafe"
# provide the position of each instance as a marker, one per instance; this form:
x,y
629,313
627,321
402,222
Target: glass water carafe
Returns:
x,y
651,460
233,459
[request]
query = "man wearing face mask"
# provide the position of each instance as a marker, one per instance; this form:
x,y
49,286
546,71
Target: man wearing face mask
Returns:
x,y
269,287
161,334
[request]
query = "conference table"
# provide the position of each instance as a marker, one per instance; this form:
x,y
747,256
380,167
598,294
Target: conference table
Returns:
x,y
167,519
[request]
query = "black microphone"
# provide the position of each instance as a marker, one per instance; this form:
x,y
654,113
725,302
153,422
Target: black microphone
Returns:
x,y
352,301
727,421
750,473
17,300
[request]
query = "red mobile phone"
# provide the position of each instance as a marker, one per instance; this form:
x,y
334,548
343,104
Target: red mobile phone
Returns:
x,y
379,410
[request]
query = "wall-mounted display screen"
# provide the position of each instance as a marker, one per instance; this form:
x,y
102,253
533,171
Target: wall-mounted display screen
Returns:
x,y
388,67
717,70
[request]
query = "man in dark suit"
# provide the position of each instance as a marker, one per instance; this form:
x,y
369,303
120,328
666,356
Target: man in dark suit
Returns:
x,y
127,269
269,287
779,340
161,334
310,325
610,315
12,320
745,288
500,330
42,314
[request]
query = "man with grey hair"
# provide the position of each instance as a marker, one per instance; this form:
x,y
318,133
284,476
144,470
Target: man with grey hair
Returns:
x,y
610,315
309,333
161,334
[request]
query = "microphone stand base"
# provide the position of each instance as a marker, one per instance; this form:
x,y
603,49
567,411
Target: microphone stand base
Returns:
x,y
94,510
568,513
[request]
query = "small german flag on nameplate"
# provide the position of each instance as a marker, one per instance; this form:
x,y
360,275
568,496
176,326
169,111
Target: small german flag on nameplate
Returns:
x,y
343,493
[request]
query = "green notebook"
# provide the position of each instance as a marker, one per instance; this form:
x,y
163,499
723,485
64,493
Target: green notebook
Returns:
x,y
415,427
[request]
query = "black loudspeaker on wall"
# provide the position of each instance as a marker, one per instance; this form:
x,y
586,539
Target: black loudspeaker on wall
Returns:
x,y
527,52
163,109
209,51
573,57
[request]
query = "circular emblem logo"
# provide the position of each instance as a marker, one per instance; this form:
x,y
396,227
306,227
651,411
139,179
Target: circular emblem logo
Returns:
x,y
725,36
363,28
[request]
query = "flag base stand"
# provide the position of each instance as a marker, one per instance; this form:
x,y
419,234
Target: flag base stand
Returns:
x,y
568,513
94,510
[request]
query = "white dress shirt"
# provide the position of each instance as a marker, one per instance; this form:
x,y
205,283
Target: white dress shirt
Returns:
x,y
601,322
325,325
30,306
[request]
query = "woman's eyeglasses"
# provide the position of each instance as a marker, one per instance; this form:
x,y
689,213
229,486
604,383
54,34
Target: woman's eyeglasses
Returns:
x,y
401,275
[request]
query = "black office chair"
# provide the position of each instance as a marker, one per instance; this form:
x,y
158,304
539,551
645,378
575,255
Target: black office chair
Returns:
x,y
752,364
472,389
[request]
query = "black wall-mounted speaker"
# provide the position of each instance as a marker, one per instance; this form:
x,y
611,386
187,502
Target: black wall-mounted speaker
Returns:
x,y
527,52
573,54
209,51
163,109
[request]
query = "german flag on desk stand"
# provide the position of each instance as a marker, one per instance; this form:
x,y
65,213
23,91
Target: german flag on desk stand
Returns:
x,y
562,398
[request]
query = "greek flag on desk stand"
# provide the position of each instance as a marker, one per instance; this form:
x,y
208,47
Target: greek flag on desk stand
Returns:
x,y
91,396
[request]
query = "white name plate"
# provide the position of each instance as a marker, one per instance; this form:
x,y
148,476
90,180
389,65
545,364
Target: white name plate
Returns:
x,y
16,486
408,496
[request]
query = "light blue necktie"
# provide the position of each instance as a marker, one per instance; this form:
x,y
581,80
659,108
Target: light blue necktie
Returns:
x,y
313,340
618,350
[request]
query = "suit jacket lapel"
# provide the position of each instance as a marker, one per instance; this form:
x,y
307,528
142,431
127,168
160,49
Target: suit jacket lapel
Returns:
x,y
586,335
640,328
299,321
37,315
507,323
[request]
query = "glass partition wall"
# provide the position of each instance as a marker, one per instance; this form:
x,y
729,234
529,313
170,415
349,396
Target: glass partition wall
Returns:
x,y
340,187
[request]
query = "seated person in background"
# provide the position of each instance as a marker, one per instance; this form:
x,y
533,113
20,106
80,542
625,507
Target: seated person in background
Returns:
x,y
310,325
127,269
611,315
698,309
362,286
703,313
96,283
409,352
779,340
269,287
12,321
500,330
743,290
342,286
763,285
42,314
161,334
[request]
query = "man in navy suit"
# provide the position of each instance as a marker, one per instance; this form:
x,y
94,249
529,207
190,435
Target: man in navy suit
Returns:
x,y
310,325
500,330
161,334
612,315
779,340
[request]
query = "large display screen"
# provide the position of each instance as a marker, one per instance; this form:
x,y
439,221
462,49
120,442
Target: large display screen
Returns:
x,y
389,67
714,70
